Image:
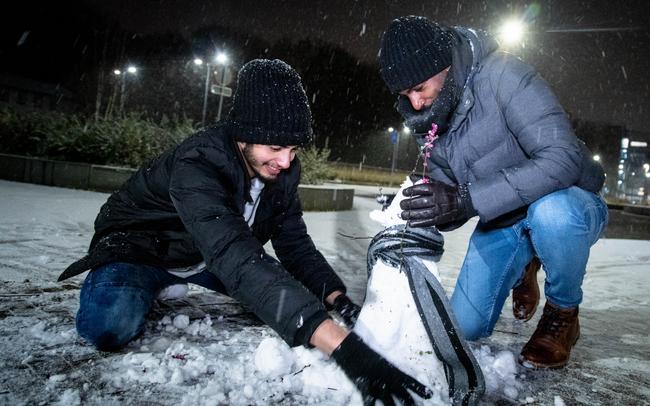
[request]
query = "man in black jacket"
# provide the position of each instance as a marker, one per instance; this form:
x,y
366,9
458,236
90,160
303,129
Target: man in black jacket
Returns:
x,y
497,144
201,214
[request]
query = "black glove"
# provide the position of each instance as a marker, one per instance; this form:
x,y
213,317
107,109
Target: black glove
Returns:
x,y
436,203
347,309
376,378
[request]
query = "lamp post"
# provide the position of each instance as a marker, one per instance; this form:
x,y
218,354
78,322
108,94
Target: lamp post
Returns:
x,y
208,70
394,138
222,59
131,70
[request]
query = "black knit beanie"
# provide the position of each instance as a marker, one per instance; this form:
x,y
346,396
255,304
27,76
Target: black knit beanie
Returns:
x,y
413,49
270,105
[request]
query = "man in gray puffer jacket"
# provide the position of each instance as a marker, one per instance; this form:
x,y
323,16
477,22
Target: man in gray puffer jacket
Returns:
x,y
497,144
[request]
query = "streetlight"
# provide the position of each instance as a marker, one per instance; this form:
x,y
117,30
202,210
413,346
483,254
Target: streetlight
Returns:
x,y
394,138
199,62
220,59
512,32
130,70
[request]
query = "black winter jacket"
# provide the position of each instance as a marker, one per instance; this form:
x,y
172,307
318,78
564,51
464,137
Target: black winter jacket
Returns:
x,y
187,206
509,138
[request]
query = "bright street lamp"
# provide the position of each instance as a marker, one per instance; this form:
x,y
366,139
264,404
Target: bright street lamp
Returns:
x,y
131,70
222,59
512,32
394,138
208,70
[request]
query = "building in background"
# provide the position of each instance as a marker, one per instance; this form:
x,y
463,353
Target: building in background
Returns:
x,y
633,171
625,156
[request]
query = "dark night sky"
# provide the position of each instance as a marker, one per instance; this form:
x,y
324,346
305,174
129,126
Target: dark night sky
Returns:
x,y
598,75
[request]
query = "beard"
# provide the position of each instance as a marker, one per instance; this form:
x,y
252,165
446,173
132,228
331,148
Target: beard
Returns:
x,y
254,164
439,112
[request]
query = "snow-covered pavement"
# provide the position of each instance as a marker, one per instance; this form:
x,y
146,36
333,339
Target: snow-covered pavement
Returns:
x,y
207,349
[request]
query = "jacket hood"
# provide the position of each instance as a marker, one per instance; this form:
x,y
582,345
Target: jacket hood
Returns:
x,y
481,43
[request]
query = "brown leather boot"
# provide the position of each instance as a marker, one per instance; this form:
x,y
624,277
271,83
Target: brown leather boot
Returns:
x,y
525,297
550,345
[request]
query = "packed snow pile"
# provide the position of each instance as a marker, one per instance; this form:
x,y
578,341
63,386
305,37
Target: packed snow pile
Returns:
x,y
389,321
390,324
185,357
247,369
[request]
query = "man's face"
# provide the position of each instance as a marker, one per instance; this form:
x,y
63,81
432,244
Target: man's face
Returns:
x,y
424,94
267,161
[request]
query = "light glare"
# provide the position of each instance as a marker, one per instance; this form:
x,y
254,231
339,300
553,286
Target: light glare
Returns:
x,y
222,58
512,32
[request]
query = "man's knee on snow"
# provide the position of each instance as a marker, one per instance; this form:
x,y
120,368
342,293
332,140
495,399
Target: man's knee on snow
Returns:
x,y
108,333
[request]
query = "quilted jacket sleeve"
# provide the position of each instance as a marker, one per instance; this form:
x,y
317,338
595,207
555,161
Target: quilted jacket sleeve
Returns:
x,y
535,118
296,250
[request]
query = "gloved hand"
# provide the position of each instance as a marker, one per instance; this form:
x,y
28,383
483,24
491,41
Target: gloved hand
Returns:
x,y
348,310
436,203
374,376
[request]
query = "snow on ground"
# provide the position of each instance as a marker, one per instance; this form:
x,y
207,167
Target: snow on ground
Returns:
x,y
207,349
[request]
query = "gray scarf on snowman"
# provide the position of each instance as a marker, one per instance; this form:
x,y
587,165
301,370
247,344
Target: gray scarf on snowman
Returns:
x,y
404,248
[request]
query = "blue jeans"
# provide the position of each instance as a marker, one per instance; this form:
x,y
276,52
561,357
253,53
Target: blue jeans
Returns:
x,y
115,299
559,229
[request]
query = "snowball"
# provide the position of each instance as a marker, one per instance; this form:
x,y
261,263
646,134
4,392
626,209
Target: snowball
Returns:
x,y
273,358
181,321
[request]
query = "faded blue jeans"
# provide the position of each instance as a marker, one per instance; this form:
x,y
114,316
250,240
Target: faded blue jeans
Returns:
x,y
559,229
115,299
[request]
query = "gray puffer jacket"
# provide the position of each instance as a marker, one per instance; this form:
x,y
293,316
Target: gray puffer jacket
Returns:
x,y
509,138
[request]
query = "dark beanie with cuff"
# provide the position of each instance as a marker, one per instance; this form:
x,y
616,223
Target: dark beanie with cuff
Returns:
x,y
270,105
413,49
